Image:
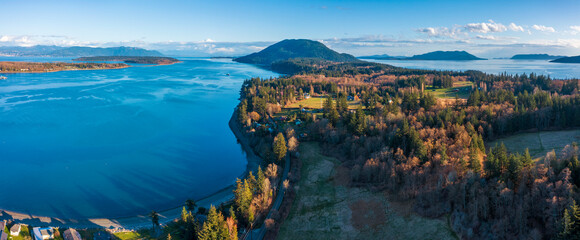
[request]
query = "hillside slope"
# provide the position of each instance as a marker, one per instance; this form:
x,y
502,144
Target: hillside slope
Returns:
x,y
295,48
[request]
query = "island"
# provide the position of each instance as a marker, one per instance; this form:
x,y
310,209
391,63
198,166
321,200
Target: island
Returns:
x,y
534,57
575,59
38,67
131,59
76,51
382,57
295,48
437,55
445,55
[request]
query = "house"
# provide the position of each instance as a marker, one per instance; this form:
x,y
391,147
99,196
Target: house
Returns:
x,y
43,233
71,234
15,230
101,235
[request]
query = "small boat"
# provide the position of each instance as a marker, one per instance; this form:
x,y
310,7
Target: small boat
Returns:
x,y
227,74
2,78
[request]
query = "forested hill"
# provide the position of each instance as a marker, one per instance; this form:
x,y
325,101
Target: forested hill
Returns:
x,y
534,57
445,55
56,51
295,48
575,59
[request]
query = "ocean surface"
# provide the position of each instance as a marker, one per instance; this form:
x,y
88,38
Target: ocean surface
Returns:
x,y
114,143
495,66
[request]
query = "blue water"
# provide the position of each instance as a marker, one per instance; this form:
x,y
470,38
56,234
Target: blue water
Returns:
x,y
495,66
111,143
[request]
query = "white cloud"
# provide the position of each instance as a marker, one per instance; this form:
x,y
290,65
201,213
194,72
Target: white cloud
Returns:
x,y
543,28
486,37
439,32
487,27
515,27
575,29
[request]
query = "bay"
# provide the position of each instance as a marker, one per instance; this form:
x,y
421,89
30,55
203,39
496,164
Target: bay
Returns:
x,y
114,143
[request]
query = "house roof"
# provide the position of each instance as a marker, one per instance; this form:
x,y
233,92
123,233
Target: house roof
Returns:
x,y
3,236
71,234
15,228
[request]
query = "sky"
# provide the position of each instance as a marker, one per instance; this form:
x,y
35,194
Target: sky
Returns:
x,y
231,28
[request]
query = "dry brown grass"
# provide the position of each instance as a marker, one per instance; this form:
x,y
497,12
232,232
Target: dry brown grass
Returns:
x,y
326,208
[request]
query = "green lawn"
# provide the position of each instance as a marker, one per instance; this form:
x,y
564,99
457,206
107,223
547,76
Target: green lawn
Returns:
x,y
318,103
464,88
24,234
539,143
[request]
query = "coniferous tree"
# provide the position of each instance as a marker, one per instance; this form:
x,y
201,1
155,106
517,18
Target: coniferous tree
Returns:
x,y
214,227
279,147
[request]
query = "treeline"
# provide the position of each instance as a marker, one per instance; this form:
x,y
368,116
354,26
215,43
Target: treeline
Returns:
x,y
405,143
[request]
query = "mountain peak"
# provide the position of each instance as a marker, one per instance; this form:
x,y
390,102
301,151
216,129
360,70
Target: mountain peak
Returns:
x,y
295,48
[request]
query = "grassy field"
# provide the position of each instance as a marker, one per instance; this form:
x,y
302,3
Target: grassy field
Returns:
x,y
539,143
318,103
325,208
464,88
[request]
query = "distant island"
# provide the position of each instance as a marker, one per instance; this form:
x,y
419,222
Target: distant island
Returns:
x,y
295,48
38,67
131,59
575,59
56,51
382,57
437,55
534,57
446,55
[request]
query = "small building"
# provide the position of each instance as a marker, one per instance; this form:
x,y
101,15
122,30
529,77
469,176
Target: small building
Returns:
x,y
101,235
15,229
71,234
43,233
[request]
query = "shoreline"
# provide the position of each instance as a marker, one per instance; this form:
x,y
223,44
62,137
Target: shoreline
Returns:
x,y
141,221
63,70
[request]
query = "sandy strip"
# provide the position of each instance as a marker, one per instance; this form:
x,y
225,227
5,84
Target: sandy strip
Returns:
x,y
142,221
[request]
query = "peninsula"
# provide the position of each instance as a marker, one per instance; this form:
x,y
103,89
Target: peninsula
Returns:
x,y
534,57
38,67
575,59
131,59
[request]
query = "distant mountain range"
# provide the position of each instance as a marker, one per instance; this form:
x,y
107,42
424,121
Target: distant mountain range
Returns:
x,y
56,51
534,57
437,55
575,59
382,57
295,48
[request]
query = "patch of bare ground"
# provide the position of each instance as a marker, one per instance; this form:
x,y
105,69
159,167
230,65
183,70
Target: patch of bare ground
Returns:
x,y
325,207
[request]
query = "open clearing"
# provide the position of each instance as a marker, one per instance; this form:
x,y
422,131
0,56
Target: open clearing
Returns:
x,y
318,103
325,208
539,143
463,90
